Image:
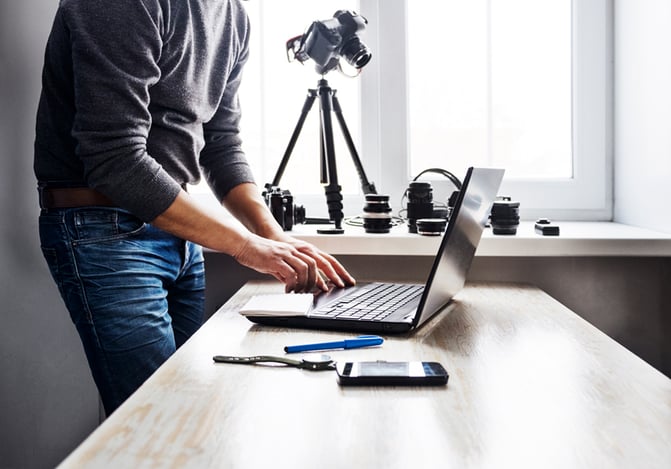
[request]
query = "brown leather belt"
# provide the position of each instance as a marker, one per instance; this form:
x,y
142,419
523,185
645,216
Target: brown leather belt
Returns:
x,y
72,197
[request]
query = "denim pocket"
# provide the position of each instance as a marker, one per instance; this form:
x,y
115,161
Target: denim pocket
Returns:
x,y
68,285
99,225
51,257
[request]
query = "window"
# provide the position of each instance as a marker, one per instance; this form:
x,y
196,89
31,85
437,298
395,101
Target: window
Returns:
x,y
519,84
500,86
453,61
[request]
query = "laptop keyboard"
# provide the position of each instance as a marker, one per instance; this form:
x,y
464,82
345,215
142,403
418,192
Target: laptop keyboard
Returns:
x,y
374,303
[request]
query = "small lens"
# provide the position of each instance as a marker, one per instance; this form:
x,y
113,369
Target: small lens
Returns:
x,y
431,226
377,214
505,217
299,214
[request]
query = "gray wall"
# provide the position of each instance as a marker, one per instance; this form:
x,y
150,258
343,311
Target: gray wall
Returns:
x,y
48,402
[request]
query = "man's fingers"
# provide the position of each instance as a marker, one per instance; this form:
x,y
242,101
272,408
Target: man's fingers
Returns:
x,y
305,268
298,271
297,265
330,266
341,271
311,273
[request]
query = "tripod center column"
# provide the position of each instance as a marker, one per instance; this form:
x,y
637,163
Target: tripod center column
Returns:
x,y
331,188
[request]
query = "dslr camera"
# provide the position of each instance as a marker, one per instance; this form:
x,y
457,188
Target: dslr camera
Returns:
x,y
281,205
326,41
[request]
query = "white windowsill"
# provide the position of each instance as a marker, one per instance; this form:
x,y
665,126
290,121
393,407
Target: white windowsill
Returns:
x,y
576,239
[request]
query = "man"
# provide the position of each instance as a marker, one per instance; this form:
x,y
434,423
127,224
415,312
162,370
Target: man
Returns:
x,y
138,97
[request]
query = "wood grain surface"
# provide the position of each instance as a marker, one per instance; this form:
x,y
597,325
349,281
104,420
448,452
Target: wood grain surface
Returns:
x,y
531,385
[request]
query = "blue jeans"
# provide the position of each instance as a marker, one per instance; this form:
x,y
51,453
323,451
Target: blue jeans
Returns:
x,y
134,292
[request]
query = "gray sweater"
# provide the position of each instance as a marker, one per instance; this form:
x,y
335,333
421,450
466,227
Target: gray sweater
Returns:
x,y
137,95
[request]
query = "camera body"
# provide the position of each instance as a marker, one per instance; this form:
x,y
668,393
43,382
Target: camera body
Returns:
x,y
326,41
281,205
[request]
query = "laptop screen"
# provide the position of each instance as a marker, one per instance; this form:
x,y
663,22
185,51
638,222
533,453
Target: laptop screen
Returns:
x,y
461,239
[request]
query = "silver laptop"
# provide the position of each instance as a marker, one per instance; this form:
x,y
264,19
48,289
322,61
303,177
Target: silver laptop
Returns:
x,y
400,307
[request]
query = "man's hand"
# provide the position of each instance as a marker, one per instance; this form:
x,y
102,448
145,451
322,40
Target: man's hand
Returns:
x,y
260,244
307,261
295,263
287,264
326,263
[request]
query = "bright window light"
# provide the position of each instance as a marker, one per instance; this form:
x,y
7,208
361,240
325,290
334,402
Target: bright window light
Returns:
x,y
489,83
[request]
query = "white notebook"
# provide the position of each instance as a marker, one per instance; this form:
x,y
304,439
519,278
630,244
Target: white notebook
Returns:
x,y
281,304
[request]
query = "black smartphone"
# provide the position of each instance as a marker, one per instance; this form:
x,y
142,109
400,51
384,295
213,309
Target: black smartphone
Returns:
x,y
414,373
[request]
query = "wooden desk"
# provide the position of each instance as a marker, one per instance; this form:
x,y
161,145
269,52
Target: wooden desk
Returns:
x,y
531,385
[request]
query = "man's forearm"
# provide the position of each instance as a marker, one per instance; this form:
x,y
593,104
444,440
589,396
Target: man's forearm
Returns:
x,y
260,244
189,220
246,204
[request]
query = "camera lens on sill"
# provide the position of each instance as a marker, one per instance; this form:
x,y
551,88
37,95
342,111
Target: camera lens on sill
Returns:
x,y
431,226
505,217
420,203
377,214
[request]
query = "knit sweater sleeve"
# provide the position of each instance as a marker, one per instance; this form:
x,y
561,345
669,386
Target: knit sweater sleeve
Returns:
x,y
222,159
115,50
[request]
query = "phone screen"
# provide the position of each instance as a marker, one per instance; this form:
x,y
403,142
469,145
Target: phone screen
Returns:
x,y
391,373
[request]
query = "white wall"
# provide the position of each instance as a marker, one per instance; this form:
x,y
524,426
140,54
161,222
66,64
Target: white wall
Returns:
x,y
642,126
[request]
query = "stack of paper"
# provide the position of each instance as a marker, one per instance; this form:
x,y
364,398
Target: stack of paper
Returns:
x,y
291,304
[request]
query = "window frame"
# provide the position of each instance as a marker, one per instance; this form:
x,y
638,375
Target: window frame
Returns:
x,y
585,196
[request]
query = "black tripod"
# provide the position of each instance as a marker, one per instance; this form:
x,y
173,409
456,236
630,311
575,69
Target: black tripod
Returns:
x,y
328,103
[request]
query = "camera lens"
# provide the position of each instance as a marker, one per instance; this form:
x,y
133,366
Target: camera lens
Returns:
x,y
431,226
420,203
355,52
420,192
299,214
377,214
505,217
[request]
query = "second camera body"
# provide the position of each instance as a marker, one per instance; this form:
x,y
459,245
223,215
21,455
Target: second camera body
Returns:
x,y
281,205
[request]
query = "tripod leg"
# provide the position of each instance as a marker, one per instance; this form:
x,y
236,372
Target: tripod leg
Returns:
x,y
307,106
366,186
323,167
332,189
